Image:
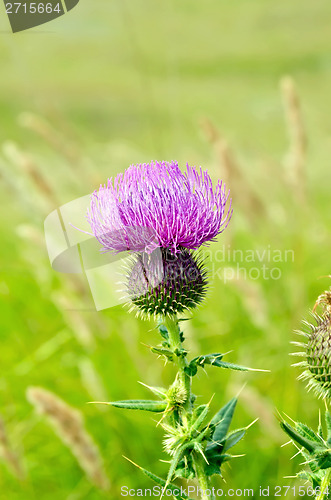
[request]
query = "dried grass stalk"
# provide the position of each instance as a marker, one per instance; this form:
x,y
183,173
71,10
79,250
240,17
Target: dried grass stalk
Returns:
x,y
68,424
8,455
28,167
296,156
51,136
230,170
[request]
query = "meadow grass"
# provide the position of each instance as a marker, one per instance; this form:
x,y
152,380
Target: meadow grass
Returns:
x,y
121,83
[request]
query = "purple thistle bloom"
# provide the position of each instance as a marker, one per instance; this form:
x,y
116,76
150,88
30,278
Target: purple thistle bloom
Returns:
x,y
156,205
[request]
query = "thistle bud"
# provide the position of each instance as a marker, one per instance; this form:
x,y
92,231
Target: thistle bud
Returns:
x,y
166,283
317,365
176,395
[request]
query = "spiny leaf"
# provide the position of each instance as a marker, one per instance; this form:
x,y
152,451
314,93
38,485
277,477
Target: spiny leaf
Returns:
x,y
220,414
323,459
233,438
215,462
233,366
226,415
308,444
161,351
315,479
185,468
158,480
320,428
214,360
328,425
164,332
137,404
199,416
174,462
206,359
305,431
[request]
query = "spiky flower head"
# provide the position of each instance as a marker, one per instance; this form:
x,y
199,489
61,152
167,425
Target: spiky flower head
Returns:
x,y
317,350
166,283
161,215
156,205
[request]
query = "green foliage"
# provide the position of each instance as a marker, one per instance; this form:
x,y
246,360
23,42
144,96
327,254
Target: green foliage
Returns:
x,y
185,468
328,426
139,404
161,482
222,420
161,351
213,360
313,448
211,441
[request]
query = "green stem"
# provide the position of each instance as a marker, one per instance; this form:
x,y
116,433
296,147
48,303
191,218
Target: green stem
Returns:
x,y
171,323
325,486
202,477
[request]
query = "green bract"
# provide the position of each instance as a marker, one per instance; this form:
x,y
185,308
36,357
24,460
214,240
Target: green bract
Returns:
x,y
166,283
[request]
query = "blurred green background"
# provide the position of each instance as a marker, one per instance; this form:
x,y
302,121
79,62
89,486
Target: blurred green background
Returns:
x,y
113,83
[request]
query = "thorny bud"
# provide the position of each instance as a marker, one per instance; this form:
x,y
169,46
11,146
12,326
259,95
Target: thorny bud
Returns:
x,y
317,349
166,283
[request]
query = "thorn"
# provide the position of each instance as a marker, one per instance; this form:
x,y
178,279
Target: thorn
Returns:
x,y
308,462
163,416
146,345
202,454
153,389
285,444
297,344
296,454
297,447
98,403
287,416
211,399
278,415
252,423
128,459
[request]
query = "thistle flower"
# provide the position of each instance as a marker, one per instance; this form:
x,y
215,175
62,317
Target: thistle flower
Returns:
x,y
157,206
161,215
